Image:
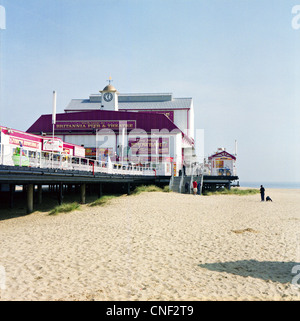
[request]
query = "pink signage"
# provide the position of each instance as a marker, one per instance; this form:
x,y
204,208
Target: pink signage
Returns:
x,y
24,142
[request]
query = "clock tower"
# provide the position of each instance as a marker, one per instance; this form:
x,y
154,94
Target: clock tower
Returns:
x,y
109,98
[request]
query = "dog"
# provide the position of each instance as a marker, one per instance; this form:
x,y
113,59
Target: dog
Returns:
x,y
268,198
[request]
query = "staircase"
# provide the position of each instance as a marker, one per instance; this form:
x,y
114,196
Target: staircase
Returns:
x,y
176,186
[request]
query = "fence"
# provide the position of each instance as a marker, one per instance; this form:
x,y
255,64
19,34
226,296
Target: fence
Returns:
x,y
16,156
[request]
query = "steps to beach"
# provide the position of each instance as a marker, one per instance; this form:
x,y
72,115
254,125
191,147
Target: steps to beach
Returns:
x,y
179,182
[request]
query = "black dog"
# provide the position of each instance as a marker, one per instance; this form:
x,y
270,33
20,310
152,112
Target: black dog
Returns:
x,y
268,198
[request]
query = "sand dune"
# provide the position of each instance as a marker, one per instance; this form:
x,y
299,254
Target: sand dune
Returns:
x,y
157,246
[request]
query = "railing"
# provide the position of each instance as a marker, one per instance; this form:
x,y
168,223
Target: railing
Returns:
x,y
192,178
41,159
181,182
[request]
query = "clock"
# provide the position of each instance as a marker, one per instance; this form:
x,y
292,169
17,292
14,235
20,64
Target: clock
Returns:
x,y
108,96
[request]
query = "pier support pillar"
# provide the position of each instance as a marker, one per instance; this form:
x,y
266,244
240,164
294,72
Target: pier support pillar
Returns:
x,y
82,193
100,190
128,189
12,189
29,198
40,194
60,193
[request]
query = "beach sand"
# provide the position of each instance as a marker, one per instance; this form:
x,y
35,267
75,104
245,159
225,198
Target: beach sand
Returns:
x,y
157,246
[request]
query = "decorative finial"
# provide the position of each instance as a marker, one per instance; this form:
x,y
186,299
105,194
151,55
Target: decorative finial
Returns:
x,y
109,80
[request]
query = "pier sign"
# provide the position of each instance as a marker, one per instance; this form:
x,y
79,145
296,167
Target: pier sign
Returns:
x,y
87,125
23,142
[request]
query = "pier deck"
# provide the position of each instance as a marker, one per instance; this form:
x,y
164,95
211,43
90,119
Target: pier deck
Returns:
x,y
11,176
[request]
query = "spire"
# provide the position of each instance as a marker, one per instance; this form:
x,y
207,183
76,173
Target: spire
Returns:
x,y
109,87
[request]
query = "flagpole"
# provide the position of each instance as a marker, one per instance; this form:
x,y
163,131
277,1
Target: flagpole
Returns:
x,y
53,122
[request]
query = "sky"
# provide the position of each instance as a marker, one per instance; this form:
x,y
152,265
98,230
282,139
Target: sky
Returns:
x,y
238,59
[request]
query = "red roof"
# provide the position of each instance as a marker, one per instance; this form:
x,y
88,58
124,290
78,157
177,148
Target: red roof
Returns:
x,y
144,121
223,153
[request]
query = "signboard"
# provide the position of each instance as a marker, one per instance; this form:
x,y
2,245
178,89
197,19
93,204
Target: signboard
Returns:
x,y
90,152
24,142
49,145
79,151
87,125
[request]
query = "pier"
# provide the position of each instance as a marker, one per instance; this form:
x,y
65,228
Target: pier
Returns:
x,y
59,181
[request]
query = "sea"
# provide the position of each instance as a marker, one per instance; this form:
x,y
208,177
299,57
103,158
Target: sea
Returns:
x,y
287,185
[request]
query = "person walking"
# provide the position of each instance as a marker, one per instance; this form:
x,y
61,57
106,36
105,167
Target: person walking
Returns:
x,y
195,187
186,187
262,193
199,188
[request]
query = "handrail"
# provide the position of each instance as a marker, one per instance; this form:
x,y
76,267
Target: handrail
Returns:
x,y
181,182
172,178
201,182
36,159
192,177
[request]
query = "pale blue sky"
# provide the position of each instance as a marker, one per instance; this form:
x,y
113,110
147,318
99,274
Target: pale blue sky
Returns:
x,y
238,59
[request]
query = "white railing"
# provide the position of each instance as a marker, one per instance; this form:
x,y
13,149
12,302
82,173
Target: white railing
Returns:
x,y
40,159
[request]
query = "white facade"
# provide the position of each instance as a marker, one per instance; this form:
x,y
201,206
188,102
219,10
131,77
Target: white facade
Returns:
x,y
222,163
179,110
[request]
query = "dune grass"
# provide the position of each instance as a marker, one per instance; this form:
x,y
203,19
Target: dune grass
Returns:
x,y
166,189
104,200
233,191
150,188
65,208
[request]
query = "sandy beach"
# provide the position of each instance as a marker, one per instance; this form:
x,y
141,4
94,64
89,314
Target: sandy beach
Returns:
x,y
157,246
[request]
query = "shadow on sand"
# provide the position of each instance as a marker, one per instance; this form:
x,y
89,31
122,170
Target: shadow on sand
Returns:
x,y
265,270
50,200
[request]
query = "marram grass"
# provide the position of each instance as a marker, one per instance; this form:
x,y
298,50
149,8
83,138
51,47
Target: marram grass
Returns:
x,y
233,191
150,188
65,208
104,200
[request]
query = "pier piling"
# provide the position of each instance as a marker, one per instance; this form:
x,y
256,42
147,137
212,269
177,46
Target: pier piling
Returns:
x,y
82,193
29,198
